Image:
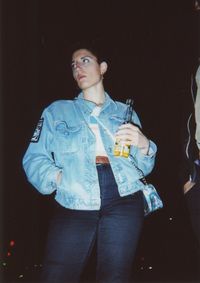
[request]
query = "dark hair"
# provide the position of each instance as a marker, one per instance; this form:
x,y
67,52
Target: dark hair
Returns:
x,y
94,46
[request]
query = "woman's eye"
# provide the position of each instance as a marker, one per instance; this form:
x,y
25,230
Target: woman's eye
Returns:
x,y
86,60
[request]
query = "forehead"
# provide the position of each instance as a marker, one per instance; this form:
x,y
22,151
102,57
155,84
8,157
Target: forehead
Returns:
x,y
82,53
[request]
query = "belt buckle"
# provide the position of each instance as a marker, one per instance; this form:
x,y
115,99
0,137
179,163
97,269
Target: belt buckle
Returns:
x,y
102,160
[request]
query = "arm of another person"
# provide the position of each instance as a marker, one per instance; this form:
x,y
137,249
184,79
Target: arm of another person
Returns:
x,y
197,108
189,184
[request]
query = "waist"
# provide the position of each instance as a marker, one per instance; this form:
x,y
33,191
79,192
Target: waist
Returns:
x,y
102,160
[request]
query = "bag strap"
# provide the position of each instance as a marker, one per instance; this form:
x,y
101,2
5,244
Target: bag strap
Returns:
x,y
99,122
142,177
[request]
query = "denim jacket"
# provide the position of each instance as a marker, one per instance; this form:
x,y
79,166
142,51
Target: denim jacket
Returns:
x,y
63,141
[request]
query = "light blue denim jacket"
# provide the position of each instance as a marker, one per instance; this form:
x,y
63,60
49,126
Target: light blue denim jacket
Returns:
x,y
64,142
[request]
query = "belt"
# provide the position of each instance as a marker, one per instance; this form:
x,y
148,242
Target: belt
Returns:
x,y
102,160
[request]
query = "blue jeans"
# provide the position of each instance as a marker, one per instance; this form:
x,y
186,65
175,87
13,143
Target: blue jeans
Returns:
x,y
115,229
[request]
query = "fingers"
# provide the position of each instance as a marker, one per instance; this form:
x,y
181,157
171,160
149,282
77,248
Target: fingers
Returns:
x,y
124,140
128,132
127,129
128,138
128,126
131,135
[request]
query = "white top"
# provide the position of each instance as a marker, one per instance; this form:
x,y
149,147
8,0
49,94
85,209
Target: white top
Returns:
x,y
100,150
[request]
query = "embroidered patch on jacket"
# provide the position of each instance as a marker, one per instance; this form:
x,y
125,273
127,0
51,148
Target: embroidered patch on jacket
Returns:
x,y
37,132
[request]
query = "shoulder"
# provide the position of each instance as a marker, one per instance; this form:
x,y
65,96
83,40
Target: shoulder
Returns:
x,y
120,105
59,109
123,106
60,105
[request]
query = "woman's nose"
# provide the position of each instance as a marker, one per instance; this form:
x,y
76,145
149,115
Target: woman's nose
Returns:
x,y
77,65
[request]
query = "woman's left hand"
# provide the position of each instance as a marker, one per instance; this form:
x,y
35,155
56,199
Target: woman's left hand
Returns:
x,y
131,134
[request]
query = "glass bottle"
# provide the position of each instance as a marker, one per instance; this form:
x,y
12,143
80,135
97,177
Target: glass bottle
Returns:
x,y
121,149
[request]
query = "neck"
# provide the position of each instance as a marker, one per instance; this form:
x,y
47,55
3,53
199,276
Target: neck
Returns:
x,y
95,95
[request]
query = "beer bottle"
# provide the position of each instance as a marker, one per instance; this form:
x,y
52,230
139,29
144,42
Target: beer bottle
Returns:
x,y
121,149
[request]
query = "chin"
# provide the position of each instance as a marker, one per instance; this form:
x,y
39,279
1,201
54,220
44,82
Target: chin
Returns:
x,y
83,86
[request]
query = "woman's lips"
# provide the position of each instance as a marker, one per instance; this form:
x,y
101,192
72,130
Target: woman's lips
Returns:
x,y
80,77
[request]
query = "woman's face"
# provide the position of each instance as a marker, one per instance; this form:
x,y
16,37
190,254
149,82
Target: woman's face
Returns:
x,y
87,72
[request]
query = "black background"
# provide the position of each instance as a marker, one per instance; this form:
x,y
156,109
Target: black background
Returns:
x,y
153,50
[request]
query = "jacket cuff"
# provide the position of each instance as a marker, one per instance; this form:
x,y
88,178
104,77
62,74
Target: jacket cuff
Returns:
x,y
151,152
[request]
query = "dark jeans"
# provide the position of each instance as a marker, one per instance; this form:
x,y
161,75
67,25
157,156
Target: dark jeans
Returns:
x,y
115,229
193,204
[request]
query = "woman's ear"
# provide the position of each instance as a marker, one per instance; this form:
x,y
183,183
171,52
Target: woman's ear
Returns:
x,y
103,67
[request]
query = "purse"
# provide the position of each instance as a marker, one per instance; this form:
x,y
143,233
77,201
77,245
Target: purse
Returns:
x,y
152,200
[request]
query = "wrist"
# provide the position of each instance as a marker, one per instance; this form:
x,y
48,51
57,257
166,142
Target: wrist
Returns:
x,y
145,149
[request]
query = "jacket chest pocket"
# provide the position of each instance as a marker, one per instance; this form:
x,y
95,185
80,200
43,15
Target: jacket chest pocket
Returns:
x,y
68,139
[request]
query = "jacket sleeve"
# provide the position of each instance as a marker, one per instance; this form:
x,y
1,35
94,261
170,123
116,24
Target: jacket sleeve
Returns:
x,y
38,161
144,162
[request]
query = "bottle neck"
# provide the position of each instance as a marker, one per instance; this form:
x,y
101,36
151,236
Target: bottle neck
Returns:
x,y
128,116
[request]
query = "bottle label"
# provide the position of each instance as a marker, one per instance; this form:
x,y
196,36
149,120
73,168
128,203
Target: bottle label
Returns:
x,y
120,149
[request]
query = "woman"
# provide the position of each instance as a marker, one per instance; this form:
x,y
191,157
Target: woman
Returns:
x,y
98,195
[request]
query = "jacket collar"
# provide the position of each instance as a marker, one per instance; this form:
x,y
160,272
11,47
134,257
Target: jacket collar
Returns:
x,y
88,106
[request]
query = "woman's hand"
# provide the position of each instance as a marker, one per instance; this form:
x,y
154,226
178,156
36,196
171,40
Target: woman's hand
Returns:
x,y
131,135
59,177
